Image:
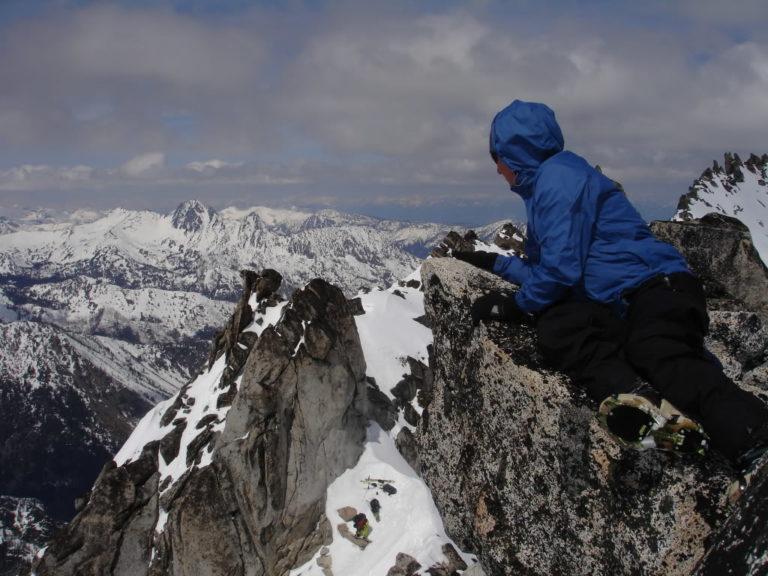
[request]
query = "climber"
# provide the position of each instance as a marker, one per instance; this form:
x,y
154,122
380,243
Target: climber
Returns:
x,y
363,528
616,309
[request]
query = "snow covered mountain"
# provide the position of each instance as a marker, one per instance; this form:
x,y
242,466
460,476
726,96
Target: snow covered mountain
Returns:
x,y
155,287
119,308
389,335
198,432
142,279
738,189
197,249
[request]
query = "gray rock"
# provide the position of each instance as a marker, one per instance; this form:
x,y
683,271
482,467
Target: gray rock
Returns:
x,y
296,423
456,242
720,251
406,445
521,472
450,566
405,565
381,409
740,545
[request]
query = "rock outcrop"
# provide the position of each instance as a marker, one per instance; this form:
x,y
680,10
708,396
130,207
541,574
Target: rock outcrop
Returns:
x,y
252,498
521,472
720,249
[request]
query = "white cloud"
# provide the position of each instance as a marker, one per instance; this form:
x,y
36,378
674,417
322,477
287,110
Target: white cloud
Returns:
x,y
348,93
211,166
143,165
28,176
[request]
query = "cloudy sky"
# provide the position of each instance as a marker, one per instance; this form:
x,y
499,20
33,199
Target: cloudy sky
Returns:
x,y
374,107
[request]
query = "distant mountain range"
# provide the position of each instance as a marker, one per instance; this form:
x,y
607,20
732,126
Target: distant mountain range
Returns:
x,y
145,287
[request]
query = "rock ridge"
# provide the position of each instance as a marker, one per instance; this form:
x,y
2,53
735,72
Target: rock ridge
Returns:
x,y
251,500
525,478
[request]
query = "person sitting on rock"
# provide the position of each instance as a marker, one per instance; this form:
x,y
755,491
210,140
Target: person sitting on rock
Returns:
x,y
616,309
363,528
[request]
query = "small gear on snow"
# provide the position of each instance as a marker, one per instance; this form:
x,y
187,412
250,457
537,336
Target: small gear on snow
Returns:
x,y
375,509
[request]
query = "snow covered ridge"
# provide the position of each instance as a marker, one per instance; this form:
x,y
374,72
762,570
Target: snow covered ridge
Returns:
x,y
409,523
738,189
287,366
197,249
136,296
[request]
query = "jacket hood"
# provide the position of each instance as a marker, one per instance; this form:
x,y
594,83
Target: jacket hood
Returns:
x,y
523,135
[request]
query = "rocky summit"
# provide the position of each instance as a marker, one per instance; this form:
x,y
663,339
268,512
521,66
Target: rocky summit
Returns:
x,y
734,188
524,477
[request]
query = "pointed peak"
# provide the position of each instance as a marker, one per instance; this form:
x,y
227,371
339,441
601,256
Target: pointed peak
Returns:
x,y
733,166
192,215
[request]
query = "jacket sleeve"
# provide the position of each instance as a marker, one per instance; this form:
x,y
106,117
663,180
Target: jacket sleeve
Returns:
x,y
563,215
512,268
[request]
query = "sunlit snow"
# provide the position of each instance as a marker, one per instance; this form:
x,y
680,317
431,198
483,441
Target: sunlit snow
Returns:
x,y
409,521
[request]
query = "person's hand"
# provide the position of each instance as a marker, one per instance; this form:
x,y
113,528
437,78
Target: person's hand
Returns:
x,y
478,258
495,306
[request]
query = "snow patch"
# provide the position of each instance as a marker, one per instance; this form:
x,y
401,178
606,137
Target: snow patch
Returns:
x,y
409,521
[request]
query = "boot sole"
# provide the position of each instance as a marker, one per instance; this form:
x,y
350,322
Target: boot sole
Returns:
x,y
659,427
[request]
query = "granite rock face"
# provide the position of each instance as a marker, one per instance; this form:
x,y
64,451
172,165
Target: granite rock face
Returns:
x,y
720,251
252,499
523,475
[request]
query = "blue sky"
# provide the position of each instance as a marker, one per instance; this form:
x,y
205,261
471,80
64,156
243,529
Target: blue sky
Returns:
x,y
374,107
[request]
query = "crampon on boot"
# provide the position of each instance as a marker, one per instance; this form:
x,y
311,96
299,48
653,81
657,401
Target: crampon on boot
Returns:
x,y
636,422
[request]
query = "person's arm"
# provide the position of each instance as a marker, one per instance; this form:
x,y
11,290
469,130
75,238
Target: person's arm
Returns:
x,y
513,268
564,219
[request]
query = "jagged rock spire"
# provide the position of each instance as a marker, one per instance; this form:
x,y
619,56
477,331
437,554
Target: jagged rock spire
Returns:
x,y
222,489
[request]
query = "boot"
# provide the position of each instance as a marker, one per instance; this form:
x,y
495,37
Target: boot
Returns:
x,y
643,421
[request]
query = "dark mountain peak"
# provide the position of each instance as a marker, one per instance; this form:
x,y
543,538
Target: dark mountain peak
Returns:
x,y
192,216
510,237
757,164
733,166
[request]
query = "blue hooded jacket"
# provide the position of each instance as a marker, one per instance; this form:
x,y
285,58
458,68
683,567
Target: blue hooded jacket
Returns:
x,y
585,240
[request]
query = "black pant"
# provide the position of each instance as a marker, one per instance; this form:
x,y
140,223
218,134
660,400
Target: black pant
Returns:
x,y
661,340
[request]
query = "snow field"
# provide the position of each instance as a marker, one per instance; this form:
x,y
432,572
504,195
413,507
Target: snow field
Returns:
x,y
389,334
410,522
